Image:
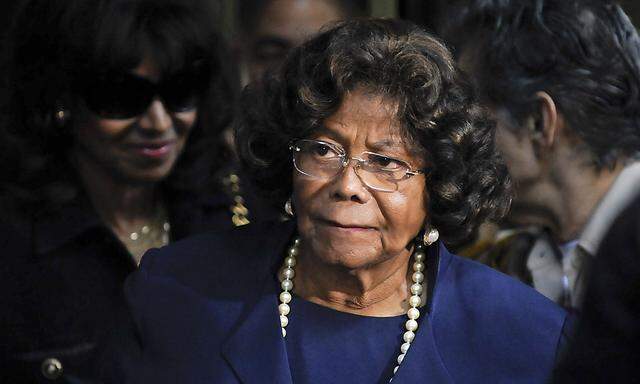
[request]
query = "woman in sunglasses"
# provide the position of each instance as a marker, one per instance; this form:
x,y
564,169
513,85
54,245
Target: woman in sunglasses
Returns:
x,y
109,137
373,142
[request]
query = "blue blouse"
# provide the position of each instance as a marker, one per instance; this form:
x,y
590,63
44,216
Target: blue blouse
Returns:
x,y
328,346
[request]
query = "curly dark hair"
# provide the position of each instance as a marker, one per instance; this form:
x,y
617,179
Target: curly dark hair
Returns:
x,y
53,43
437,109
584,53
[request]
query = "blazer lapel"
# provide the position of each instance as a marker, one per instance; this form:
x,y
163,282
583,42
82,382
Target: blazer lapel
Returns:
x,y
423,362
256,350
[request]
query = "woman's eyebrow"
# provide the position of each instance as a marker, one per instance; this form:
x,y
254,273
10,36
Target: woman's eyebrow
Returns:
x,y
402,148
333,134
386,144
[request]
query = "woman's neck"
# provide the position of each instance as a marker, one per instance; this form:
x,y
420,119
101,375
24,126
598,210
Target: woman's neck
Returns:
x,y
122,206
380,290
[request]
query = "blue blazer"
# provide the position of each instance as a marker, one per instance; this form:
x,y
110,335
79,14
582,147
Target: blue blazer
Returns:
x,y
206,312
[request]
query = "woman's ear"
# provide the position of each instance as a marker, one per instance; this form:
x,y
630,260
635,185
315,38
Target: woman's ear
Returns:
x,y
546,122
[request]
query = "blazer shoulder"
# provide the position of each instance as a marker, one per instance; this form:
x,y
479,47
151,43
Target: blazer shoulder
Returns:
x,y
219,255
488,323
501,292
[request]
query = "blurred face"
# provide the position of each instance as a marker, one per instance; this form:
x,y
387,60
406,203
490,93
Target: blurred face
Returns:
x,y
341,220
142,148
534,202
285,24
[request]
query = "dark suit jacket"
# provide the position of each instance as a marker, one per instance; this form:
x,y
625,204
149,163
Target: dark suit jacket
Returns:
x,y
206,312
606,346
61,279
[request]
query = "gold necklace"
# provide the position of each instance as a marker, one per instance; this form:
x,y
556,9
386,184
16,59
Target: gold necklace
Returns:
x,y
239,212
154,234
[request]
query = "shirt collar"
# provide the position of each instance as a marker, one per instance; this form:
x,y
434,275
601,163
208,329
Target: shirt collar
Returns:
x,y
619,196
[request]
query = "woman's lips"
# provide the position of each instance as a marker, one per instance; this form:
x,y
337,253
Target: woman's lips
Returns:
x,y
347,226
155,150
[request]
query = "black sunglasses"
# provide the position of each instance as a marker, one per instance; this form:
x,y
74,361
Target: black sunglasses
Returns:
x,y
125,95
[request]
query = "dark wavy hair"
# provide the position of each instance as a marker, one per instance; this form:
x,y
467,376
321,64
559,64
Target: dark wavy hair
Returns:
x,y
584,53
55,42
437,110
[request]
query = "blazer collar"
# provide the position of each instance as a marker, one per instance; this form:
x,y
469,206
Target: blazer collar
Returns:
x,y
256,349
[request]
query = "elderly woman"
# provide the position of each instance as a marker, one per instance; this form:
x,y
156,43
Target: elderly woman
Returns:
x,y
373,141
109,130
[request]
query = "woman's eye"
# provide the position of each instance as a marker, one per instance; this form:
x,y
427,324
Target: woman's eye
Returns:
x,y
320,150
384,162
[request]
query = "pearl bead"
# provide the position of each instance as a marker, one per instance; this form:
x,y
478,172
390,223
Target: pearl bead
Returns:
x,y
287,285
290,261
288,273
419,256
413,313
284,321
395,370
408,336
284,332
284,309
404,348
415,301
400,358
293,251
416,289
285,297
419,246
418,266
418,277
411,325
296,242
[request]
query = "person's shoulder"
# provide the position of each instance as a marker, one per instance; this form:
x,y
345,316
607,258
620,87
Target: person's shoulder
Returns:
x,y
501,292
508,331
219,255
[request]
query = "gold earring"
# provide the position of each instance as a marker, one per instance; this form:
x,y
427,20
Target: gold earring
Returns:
x,y
288,207
430,236
61,116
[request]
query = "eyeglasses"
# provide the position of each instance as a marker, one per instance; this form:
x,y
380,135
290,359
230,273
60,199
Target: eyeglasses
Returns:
x,y
125,95
322,160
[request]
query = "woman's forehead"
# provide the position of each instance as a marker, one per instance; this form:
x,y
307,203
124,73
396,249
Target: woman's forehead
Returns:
x,y
369,119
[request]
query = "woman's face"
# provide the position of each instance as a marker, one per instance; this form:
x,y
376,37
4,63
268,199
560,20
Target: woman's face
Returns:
x,y
342,221
283,25
139,149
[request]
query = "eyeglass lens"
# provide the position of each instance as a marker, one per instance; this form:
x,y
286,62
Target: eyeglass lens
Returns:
x,y
319,160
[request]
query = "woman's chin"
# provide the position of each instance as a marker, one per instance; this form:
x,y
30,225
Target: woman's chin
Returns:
x,y
356,253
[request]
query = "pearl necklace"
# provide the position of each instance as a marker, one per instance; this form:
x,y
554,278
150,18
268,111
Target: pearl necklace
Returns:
x,y
287,274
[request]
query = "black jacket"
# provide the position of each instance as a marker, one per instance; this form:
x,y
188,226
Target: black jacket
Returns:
x,y
606,345
61,276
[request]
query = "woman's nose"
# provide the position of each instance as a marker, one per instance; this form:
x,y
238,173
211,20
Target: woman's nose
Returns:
x,y
156,117
349,186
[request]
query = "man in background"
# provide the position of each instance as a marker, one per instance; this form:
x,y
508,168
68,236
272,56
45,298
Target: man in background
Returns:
x,y
562,78
270,28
